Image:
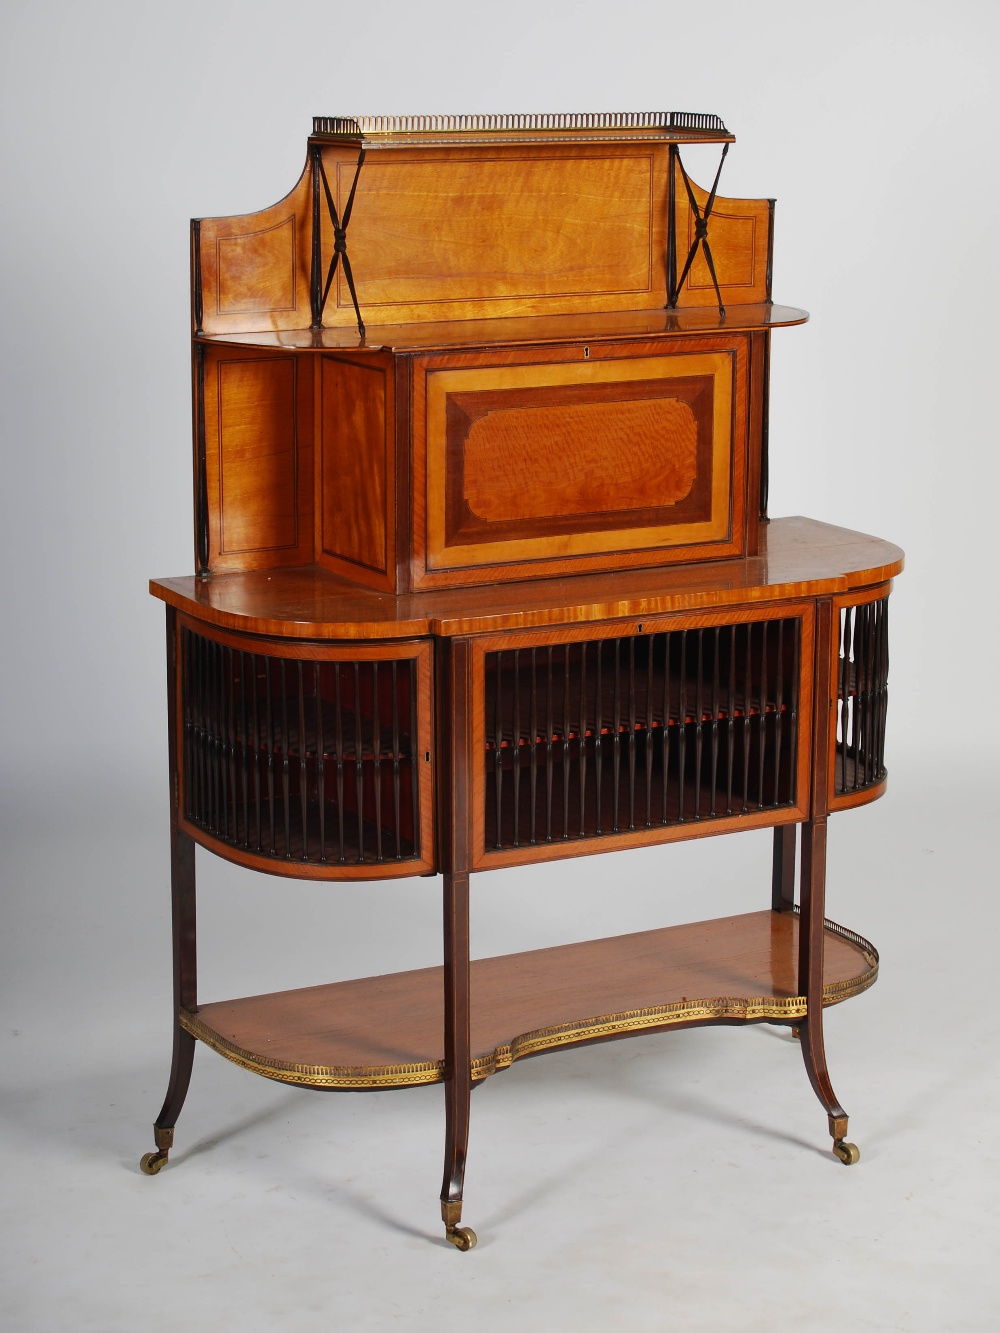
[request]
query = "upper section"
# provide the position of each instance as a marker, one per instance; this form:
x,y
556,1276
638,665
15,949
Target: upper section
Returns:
x,y
397,221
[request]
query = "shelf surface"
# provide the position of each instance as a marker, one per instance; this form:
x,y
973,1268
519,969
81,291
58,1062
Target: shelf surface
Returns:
x,y
526,331
388,1031
799,557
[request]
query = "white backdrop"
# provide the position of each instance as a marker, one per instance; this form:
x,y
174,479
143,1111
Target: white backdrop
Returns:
x,y
872,124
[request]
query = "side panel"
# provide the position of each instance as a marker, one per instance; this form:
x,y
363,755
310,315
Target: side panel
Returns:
x,y
251,272
258,459
356,482
739,237
860,697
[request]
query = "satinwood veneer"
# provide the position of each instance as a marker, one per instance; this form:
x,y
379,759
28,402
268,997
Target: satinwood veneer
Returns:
x,y
485,577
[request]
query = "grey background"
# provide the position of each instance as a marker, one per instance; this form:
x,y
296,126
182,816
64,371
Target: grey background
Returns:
x,y
674,1182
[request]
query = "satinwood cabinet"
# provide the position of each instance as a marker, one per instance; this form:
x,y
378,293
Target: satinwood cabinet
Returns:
x,y
485,577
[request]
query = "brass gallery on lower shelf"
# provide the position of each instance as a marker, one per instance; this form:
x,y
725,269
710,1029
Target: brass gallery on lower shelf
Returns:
x,y
762,1007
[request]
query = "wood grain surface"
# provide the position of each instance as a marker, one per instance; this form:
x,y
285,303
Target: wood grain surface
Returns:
x,y
572,467
584,459
489,229
259,459
444,335
388,1030
738,236
799,557
254,267
356,467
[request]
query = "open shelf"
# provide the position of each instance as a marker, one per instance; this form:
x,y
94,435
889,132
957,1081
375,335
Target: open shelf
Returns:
x,y
442,335
388,1031
592,738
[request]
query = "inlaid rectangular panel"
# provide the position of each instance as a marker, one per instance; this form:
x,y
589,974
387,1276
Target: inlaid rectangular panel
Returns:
x,y
739,237
519,465
251,271
494,231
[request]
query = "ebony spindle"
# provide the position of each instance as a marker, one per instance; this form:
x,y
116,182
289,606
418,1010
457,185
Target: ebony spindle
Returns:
x,y
244,746
230,685
394,682
338,743
631,733
682,728
582,745
321,758
549,742
714,764
269,697
415,760
747,709
218,748
567,705
665,740
285,760
650,683
497,660
516,743
377,761
598,729
779,704
359,756
303,760
793,716
532,745
765,691
731,719
699,717
256,749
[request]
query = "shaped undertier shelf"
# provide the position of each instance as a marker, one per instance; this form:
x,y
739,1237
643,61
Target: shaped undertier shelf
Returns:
x,y
387,1031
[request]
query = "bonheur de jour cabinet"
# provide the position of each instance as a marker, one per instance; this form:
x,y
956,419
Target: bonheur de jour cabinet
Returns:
x,y
485,578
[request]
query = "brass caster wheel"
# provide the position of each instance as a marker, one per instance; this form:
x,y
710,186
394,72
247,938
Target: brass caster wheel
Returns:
x,y
848,1153
463,1238
152,1162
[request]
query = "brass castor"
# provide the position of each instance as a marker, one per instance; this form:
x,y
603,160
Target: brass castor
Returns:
x,y
151,1162
848,1153
463,1238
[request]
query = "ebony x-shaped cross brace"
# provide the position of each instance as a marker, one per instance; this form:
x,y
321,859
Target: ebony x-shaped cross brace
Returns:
x,y
700,231
339,244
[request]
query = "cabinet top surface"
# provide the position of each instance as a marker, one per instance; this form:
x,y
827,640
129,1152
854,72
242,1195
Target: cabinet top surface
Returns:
x,y
799,557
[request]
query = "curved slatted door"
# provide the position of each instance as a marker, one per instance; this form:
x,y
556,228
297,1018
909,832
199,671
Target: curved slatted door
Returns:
x,y
310,759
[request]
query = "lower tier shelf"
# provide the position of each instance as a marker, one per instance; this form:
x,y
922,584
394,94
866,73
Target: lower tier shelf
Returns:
x,y
387,1032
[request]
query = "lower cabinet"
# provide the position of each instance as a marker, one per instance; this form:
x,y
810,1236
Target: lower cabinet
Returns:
x,y
462,752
